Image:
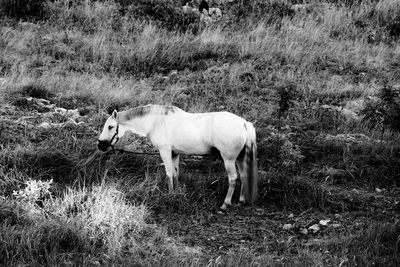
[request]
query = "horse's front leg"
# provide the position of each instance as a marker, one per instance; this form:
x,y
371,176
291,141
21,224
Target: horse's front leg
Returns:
x,y
166,156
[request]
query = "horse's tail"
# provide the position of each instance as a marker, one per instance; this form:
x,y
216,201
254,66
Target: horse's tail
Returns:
x,y
250,165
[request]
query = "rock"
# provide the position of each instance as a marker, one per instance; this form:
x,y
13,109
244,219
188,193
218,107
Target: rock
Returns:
x,y
71,122
61,110
355,105
183,96
324,222
71,113
300,7
314,228
304,231
336,225
215,13
377,190
39,104
349,114
346,112
24,118
287,226
173,75
43,103
45,125
332,173
189,8
291,215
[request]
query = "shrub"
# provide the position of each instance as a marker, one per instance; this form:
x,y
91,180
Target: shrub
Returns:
x,y
37,91
278,150
380,22
75,101
384,112
270,11
165,13
287,97
23,9
345,2
102,216
87,16
87,222
393,28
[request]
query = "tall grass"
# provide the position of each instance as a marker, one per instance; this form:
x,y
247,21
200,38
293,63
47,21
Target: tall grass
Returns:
x,y
98,223
304,43
288,71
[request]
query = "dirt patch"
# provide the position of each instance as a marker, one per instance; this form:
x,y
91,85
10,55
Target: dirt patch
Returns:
x,y
262,230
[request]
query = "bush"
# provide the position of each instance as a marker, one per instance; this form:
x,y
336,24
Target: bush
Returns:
x,y
88,16
23,9
37,91
270,11
165,13
380,22
85,222
384,113
287,95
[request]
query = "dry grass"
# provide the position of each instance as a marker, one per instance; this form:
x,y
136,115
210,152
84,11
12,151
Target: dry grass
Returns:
x,y
97,222
96,55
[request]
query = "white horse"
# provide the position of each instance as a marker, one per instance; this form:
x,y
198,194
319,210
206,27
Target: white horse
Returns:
x,y
173,131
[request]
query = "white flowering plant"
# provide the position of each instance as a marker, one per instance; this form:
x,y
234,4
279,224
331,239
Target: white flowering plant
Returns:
x,y
34,191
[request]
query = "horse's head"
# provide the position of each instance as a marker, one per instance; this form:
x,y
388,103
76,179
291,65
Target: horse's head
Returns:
x,y
109,135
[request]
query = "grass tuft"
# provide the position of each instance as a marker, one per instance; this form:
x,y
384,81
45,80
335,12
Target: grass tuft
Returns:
x,y
98,221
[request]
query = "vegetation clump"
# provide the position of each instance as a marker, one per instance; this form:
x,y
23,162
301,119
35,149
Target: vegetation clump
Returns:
x,y
24,9
384,112
318,79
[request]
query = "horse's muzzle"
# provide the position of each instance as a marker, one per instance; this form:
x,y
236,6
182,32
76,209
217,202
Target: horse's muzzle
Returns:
x,y
103,145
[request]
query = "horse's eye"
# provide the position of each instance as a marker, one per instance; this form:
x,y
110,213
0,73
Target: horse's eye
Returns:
x,y
110,127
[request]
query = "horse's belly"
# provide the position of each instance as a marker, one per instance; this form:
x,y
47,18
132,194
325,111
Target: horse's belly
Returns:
x,y
191,148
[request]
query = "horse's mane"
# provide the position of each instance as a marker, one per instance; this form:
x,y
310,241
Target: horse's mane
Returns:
x,y
142,111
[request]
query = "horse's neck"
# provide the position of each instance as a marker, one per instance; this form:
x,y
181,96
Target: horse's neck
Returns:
x,y
141,126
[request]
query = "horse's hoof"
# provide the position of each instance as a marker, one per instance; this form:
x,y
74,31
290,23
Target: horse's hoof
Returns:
x,y
242,203
221,211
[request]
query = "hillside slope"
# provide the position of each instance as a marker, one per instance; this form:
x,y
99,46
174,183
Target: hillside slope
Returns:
x,y
320,80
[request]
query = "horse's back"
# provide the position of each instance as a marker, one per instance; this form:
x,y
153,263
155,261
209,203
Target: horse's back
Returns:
x,y
228,133
199,133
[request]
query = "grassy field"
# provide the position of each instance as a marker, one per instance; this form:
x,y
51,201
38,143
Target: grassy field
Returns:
x,y
319,79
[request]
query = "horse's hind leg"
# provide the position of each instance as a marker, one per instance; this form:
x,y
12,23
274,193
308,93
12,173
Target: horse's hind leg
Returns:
x,y
175,163
166,156
232,176
243,178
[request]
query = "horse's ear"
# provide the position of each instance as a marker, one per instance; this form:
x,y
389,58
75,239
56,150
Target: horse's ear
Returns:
x,y
114,114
